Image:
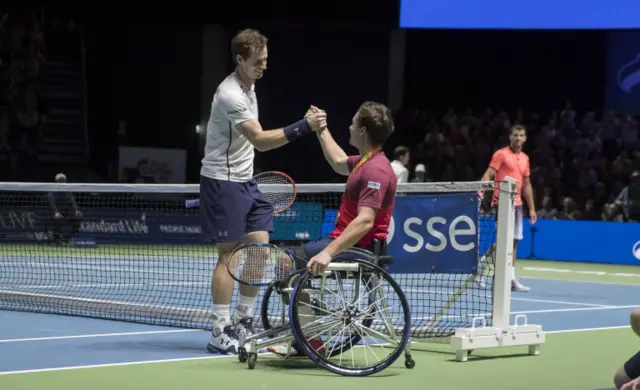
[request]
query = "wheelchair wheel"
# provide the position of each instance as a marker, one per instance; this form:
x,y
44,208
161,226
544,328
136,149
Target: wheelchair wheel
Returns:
x,y
270,310
366,320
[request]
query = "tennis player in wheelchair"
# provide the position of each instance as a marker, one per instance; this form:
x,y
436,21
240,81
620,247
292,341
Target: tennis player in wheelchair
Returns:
x,y
367,205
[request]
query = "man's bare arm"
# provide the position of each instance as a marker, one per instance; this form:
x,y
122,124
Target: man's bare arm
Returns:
x,y
262,140
333,153
272,139
354,232
489,174
528,193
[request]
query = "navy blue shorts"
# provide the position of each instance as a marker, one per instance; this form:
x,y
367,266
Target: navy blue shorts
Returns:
x,y
312,248
230,210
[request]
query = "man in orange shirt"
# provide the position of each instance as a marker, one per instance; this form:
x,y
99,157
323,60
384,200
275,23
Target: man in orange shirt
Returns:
x,y
513,162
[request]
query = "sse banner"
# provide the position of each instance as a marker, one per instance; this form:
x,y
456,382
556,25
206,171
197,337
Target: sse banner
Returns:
x,y
528,15
435,234
428,233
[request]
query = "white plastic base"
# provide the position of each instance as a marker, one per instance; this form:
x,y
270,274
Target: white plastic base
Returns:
x,y
467,339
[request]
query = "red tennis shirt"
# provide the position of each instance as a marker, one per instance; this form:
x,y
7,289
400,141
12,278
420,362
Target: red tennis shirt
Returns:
x,y
372,184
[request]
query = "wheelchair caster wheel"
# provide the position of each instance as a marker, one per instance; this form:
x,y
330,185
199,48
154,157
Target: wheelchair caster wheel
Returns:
x,y
409,363
242,354
251,361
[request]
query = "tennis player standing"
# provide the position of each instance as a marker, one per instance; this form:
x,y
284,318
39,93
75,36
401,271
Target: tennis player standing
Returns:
x,y
512,161
231,206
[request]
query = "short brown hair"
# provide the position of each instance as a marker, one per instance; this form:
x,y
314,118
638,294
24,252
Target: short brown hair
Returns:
x,y
247,42
377,119
515,128
400,151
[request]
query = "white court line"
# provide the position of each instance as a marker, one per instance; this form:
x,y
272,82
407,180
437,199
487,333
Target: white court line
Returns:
x,y
587,329
87,336
118,364
556,280
429,291
558,302
574,309
230,356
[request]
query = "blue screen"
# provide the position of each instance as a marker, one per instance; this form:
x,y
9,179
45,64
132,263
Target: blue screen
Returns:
x,y
510,14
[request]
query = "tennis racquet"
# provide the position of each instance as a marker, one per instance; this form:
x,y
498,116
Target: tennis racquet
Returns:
x,y
277,188
260,264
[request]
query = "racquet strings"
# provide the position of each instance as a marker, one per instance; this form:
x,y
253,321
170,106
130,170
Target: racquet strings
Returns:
x,y
280,190
260,265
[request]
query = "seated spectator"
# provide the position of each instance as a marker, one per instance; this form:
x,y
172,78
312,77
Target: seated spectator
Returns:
x,y
547,211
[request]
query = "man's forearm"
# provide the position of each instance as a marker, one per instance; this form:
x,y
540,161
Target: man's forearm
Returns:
x,y
353,233
333,153
270,139
528,196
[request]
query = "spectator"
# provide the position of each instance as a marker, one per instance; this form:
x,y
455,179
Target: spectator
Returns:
x,y
66,214
399,164
547,211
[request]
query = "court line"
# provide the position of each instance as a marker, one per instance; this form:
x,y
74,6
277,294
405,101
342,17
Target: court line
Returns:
x,y
86,336
558,302
117,364
581,281
581,272
153,332
446,292
587,329
177,360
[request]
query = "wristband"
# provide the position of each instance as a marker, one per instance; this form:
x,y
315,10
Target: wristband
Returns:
x,y
297,130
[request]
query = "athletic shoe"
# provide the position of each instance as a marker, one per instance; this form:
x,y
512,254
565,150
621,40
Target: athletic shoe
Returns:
x,y
223,341
518,287
283,349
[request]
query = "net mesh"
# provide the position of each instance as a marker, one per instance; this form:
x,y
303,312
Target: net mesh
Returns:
x,y
134,253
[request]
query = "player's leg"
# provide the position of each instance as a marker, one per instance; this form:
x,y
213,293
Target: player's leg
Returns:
x,y
258,226
305,311
517,236
223,214
631,369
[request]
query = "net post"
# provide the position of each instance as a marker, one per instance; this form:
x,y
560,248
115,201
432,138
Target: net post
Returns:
x,y
501,334
504,252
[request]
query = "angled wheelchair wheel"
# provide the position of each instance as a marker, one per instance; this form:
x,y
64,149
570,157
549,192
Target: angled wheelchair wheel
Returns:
x,y
271,314
364,323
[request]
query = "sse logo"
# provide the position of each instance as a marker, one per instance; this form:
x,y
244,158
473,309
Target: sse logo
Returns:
x,y
460,232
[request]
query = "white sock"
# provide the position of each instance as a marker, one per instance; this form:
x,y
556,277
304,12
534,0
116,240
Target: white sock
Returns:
x,y
221,316
513,272
245,307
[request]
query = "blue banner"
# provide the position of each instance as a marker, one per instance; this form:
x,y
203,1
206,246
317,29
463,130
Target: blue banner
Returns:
x,y
622,92
581,241
428,233
435,233
528,15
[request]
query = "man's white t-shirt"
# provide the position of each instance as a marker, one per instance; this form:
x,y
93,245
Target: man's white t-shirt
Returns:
x,y
402,173
228,155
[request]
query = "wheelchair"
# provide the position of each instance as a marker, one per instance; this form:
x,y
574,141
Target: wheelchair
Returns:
x,y
334,318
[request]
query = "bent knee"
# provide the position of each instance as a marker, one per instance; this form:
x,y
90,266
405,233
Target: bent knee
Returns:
x,y
620,378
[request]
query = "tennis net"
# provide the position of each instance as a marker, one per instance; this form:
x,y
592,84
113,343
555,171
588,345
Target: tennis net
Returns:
x,y
134,252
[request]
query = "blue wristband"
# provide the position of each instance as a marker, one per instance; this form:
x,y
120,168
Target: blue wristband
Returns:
x,y
297,130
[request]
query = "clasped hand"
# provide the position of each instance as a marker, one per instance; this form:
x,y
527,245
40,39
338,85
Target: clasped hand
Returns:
x,y
317,119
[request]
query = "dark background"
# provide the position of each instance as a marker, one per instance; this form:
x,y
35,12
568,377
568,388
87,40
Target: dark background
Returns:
x,y
144,65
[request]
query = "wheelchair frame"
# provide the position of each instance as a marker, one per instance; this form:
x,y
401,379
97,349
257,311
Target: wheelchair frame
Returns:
x,y
298,284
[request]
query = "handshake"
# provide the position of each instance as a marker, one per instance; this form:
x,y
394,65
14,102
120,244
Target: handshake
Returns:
x,y
317,119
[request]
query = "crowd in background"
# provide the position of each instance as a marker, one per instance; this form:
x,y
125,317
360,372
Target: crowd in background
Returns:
x,y
580,162
22,57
